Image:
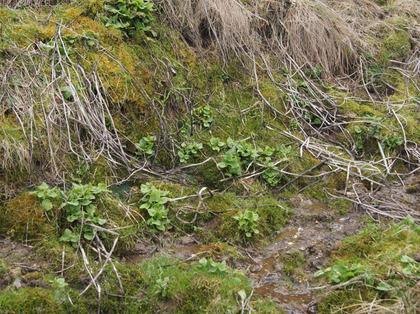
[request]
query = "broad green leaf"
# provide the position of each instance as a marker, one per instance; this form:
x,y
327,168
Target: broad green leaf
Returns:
x,y
242,294
383,286
46,204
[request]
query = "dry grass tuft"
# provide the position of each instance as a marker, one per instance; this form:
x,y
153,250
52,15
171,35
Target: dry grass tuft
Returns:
x,y
309,31
15,157
312,34
34,3
225,23
361,16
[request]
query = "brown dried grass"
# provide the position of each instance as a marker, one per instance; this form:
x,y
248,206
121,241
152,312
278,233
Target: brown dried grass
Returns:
x,y
313,34
15,3
15,157
224,23
309,31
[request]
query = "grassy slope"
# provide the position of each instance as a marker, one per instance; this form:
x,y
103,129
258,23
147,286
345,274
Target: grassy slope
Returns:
x,y
236,111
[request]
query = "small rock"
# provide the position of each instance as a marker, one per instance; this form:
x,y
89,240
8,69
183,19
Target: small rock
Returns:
x,y
16,283
185,241
140,248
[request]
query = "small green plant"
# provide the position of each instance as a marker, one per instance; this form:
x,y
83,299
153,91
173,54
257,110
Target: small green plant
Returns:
x,y
216,144
89,39
248,222
375,127
46,194
162,287
312,118
231,163
146,145
392,142
79,206
67,93
211,266
343,272
248,152
189,150
224,77
154,201
80,202
314,72
61,289
268,151
411,267
77,177
130,15
203,116
284,151
270,175
70,237
184,126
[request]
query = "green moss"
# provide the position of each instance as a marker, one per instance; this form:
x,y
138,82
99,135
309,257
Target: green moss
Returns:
x,y
341,206
188,289
272,216
24,219
397,45
93,7
2,267
31,300
335,301
209,175
15,152
293,263
387,254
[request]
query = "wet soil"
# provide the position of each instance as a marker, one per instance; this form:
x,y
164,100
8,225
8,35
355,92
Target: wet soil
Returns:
x,y
24,268
282,269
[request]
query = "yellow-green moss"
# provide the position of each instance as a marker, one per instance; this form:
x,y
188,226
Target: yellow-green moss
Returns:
x,y
381,251
31,300
24,219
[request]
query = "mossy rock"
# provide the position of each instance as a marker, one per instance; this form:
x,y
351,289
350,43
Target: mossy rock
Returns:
x,y
25,219
30,300
272,215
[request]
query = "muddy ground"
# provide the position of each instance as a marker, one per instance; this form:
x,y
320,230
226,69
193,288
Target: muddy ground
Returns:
x,y
308,238
283,268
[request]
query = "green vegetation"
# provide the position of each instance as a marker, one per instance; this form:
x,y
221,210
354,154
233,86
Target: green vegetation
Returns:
x,y
146,145
377,268
211,266
185,136
189,150
154,201
247,221
80,209
203,116
293,263
130,15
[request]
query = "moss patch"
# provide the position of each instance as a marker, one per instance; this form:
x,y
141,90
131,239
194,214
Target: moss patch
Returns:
x,y
387,257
